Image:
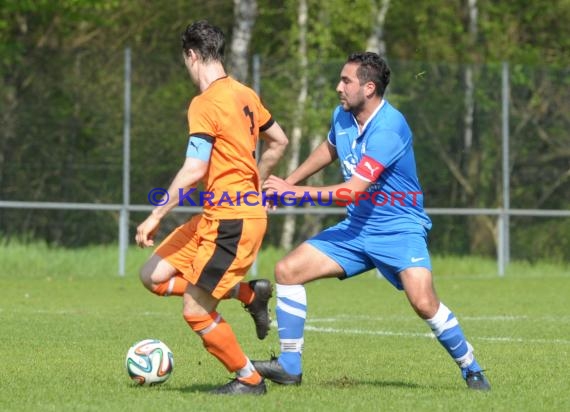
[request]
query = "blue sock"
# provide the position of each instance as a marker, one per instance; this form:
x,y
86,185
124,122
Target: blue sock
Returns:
x,y
450,335
473,367
291,312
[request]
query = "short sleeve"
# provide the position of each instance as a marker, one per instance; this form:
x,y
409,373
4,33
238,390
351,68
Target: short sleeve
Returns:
x,y
201,119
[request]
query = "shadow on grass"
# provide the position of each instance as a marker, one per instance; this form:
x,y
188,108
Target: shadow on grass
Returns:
x,y
347,382
344,382
196,388
200,388
340,383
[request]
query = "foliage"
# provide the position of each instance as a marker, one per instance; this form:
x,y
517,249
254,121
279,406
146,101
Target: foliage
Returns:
x,y
61,104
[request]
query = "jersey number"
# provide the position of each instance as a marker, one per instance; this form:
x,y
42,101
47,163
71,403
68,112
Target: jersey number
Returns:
x,y
249,114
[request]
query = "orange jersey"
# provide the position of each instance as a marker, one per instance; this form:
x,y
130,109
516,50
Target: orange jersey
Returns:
x,y
232,115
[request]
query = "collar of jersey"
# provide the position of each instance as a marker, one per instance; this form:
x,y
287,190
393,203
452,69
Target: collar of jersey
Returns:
x,y
369,119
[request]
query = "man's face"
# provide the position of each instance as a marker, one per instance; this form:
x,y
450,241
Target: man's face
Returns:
x,y
349,89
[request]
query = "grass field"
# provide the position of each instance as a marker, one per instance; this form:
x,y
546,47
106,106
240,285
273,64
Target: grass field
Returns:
x,y
67,320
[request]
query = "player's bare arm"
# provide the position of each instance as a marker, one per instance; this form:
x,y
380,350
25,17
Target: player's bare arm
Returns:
x,y
342,191
275,144
189,174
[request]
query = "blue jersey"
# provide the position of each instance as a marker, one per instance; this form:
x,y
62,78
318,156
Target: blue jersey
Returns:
x,y
383,155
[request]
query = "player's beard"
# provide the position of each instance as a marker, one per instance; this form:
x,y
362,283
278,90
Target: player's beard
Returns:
x,y
355,106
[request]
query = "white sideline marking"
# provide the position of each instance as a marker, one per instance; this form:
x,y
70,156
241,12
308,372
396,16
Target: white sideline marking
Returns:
x,y
498,318
344,318
430,335
369,332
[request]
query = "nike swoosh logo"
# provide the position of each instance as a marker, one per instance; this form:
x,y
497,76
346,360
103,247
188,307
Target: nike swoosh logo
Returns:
x,y
415,260
455,347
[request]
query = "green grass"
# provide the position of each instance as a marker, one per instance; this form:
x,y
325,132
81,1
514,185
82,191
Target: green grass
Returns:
x,y
67,320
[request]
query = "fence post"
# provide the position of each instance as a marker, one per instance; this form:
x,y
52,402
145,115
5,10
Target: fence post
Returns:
x,y
124,213
506,168
500,245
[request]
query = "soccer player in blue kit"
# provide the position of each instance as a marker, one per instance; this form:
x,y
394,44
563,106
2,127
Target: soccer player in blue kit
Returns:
x,y
385,228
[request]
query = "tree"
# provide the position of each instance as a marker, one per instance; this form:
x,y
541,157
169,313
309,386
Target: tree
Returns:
x,y
376,41
299,113
245,12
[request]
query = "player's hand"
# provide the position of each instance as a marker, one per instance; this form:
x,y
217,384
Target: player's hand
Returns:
x,y
277,188
269,204
276,185
146,231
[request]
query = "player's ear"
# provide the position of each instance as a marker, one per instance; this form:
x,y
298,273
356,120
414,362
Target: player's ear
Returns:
x,y
188,54
192,55
369,89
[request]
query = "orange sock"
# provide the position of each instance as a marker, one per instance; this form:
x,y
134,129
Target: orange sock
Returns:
x,y
242,292
246,293
219,339
175,286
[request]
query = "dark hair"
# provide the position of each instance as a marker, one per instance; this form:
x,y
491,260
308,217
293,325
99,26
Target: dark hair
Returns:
x,y
372,69
207,40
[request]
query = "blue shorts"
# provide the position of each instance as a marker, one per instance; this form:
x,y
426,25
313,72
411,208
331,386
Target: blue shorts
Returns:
x,y
357,251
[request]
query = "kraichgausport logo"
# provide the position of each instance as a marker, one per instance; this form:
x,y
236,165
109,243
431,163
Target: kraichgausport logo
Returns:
x,y
342,197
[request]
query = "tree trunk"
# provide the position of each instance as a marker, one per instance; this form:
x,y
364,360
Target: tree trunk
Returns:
x,y
7,133
245,12
295,138
314,223
8,127
376,41
481,228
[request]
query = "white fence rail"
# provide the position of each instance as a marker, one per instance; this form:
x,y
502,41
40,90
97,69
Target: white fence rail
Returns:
x,y
502,215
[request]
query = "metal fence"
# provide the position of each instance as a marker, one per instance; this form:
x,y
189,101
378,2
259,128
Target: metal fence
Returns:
x,y
497,103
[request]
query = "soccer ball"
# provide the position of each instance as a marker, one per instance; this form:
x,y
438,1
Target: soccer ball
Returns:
x,y
149,362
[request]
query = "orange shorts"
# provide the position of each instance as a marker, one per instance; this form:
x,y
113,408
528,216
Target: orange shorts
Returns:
x,y
213,254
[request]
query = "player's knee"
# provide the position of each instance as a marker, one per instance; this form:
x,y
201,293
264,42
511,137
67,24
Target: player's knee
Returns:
x,y
145,275
425,306
284,273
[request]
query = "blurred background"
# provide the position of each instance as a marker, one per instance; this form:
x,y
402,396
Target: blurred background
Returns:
x,y
485,86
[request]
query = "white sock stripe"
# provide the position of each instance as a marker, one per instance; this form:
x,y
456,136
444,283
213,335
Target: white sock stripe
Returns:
x,y
467,359
211,326
440,323
292,345
291,310
296,293
170,286
247,370
448,325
